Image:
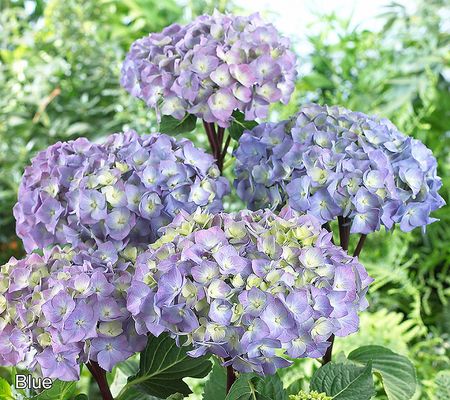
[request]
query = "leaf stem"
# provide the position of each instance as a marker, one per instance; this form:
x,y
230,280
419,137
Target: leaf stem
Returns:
x,y
99,375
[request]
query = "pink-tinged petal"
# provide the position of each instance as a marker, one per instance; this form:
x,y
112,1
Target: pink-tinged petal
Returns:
x,y
269,92
221,76
243,74
222,104
242,93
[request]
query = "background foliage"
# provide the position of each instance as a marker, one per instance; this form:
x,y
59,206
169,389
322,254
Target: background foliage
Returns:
x,y
59,79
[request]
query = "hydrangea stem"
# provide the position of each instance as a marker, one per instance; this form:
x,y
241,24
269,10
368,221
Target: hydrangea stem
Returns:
x,y
231,377
360,245
99,375
215,138
344,238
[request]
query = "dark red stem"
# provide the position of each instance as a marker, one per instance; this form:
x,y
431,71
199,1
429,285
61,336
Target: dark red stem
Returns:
x,y
211,138
231,377
215,138
360,245
327,357
99,375
344,238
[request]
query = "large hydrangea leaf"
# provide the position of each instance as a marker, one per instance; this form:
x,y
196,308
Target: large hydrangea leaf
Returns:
x,y
397,372
163,366
344,381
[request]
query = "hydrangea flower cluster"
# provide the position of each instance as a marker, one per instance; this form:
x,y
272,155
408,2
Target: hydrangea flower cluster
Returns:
x,y
118,192
248,287
330,161
209,68
66,308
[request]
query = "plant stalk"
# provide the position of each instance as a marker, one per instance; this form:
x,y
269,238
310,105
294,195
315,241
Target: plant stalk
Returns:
x,y
99,375
344,238
360,245
231,377
215,138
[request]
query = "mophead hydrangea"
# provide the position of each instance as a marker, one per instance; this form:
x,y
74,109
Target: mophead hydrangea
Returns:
x,y
121,191
209,68
330,161
251,287
67,308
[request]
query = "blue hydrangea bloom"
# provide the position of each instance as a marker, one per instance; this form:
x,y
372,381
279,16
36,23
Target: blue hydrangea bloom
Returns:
x,y
120,192
250,287
209,68
66,308
330,161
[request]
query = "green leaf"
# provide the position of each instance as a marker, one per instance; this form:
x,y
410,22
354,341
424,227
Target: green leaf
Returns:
x,y
216,385
239,125
162,367
173,126
272,387
442,391
135,394
344,381
294,387
59,391
245,388
5,390
397,372
81,397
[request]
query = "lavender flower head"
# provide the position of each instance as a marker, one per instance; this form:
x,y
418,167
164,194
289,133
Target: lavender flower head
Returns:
x,y
209,68
65,308
329,161
250,287
119,192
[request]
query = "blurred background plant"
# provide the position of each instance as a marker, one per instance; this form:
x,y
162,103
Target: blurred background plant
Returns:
x,y
59,79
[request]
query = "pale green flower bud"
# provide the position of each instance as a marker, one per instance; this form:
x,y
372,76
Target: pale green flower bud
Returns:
x,y
253,280
44,339
110,328
237,281
130,253
122,167
2,303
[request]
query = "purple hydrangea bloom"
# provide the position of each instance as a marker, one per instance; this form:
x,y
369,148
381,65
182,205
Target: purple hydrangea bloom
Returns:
x,y
214,65
250,287
120,192
65,308
329,161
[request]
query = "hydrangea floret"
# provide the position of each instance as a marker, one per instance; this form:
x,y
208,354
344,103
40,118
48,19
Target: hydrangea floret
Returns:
x,y
120,192
250,287
209,68
330,161
67,308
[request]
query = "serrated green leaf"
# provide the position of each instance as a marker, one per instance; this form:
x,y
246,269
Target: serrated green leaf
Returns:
x,y
135,394
162,367
5,390
294,388
245,388
272,387
344,381
239,125
173,126
442,391
397,372
216,385
59,391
